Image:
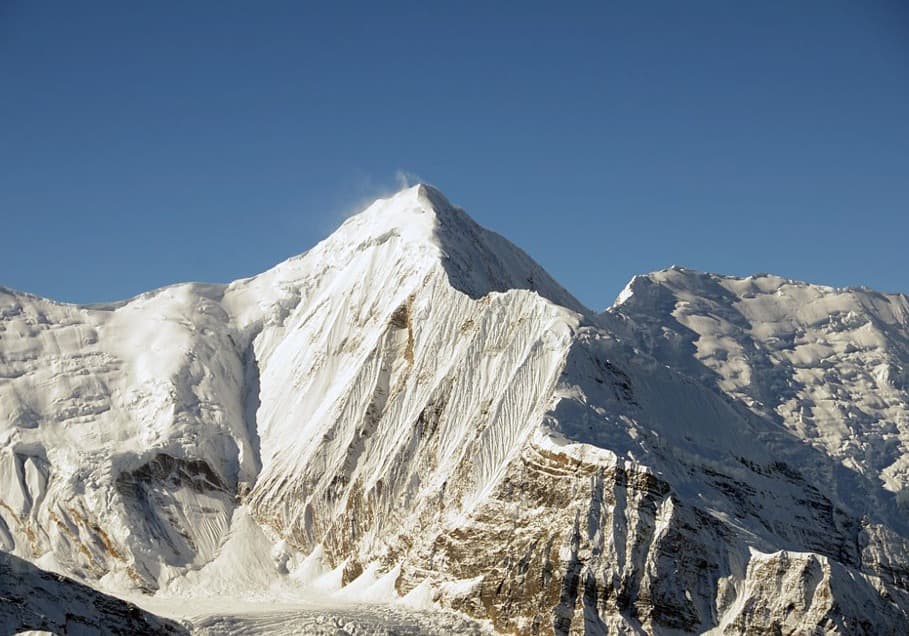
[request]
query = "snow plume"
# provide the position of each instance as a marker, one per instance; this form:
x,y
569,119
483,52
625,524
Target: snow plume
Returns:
x,y
405,179
367,189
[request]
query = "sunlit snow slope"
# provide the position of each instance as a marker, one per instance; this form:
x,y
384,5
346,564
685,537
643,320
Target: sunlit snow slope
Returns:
x,y
414,408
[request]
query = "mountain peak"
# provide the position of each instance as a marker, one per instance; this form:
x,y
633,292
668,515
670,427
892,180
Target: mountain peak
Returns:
x,y
477,261
418,212
409,213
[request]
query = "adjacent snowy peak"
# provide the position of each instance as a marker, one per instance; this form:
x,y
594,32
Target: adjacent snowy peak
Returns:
x,y
831,365
695,283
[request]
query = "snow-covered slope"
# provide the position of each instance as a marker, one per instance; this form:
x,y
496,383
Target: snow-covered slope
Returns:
x,y
415,409
828,364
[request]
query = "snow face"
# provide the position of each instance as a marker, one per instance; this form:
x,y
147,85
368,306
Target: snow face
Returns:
x,y
826,365
414,414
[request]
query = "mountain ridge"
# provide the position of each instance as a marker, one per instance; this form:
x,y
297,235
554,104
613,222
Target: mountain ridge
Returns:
x,y
439,205
415,401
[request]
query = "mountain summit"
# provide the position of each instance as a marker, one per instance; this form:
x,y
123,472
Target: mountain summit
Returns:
x,y
427,225
414,411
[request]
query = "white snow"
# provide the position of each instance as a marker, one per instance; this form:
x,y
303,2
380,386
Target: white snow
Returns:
x,y
222,452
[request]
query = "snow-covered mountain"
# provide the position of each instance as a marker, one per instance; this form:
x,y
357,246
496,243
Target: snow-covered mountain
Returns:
x,y
415,409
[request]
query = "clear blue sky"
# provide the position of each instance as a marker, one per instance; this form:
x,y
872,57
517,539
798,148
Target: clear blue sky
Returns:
x,y
146,143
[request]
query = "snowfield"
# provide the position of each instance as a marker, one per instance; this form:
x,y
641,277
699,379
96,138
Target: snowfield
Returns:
x,y
413,429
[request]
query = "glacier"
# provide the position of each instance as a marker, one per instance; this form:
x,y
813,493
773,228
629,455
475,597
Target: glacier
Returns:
x,y
413,425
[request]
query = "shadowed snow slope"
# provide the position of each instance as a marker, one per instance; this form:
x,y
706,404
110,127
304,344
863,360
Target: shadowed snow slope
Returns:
x,y
33,599
414,412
